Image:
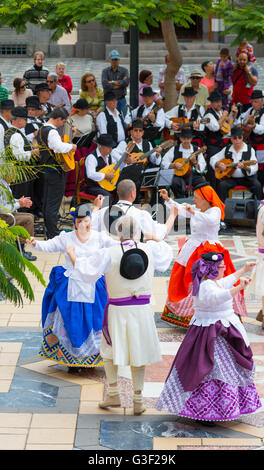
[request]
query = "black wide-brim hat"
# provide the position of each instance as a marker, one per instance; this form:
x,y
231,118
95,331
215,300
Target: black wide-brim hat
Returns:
x,y
236,132
257,94
109,96
134,263
106,140
33,102
20,111
42,86
186,132
189,91
147,91
213,256
7,104
215,96
81,103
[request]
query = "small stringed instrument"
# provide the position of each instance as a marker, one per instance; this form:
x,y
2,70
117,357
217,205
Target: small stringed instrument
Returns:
x,y
115,168
66,160
143,157
186,164
184,122
230,168
247,125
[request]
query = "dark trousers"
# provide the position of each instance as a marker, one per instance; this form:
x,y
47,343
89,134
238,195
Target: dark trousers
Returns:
x,y
53,191
179,183
250,182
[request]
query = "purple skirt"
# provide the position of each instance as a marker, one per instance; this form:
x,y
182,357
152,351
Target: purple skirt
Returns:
x,y
212,376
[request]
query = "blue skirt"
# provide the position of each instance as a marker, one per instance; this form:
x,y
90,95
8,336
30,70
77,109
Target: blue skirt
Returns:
x,y
72,331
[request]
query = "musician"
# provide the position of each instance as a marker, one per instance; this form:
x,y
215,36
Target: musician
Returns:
x,y
111,121
183,150
238,151
189,110
33,121
6,107
95,161
42,90
152,115
50,143
252,121
133,169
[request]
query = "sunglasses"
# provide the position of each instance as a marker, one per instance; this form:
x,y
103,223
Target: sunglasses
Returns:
x,y
50,81
237,137
22,86
90,81
196,78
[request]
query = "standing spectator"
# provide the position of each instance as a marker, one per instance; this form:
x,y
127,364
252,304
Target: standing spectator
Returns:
x,y
92,93
208,79
116,78
146,80
223,76
20,93
59,96
245,77
64,80
202,90
3,91
37,73
180,78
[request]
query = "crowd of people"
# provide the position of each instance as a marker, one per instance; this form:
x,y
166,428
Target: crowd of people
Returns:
x,y
96,308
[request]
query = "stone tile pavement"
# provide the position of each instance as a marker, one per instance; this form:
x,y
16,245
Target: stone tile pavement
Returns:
x,y
43,407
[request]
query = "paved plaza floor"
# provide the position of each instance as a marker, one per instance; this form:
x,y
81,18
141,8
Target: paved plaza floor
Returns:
x,y
43,407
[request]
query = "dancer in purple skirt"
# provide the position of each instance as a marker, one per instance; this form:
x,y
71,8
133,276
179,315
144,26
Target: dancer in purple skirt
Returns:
x,y
212,375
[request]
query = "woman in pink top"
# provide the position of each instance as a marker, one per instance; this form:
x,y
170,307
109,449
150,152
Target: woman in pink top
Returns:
x,y
20,93
208,79
64,80
146,80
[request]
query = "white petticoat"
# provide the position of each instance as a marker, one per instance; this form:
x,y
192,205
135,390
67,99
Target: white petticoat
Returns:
x,y
256,286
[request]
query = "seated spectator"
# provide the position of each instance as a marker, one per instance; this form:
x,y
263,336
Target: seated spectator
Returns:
x,y
244,46
58,96
3,91
180,78
20,93
92,93
64,80
146,80
202,90
37,73
81,120
208,79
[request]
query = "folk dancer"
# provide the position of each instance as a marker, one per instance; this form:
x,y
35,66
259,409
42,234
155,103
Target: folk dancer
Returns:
x,y
189,110
72,309
151,114
212,376
205,217
129,332
54,176
240,153
111,121
184,150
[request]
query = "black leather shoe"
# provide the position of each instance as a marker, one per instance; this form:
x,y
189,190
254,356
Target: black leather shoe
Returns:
x,y
29,256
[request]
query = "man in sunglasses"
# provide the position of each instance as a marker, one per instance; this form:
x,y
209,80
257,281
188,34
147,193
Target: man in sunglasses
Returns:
x,y
202,92
239,152
59,96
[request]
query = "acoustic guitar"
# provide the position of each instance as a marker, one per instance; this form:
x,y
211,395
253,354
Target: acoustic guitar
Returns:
x,y
66,160
230,168
184,122
186,164
115,168
141,157
247,125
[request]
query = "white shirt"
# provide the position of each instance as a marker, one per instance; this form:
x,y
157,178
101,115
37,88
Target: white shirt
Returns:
x,y
78,290
213,125
60,96
259,129
4,201
102,124
54,141
174,113
91,164
160,116
169,158
2,133
237,156
143,217
17,146
121,148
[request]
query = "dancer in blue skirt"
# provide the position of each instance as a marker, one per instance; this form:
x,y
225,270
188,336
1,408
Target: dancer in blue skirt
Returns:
x,y
72,310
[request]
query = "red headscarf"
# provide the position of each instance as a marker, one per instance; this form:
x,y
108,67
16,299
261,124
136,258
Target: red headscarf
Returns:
x,y
209,194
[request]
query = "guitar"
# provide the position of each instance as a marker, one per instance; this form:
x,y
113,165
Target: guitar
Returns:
x,y
184,122
115,168
143,157
230,168
247,125
66,160
186,164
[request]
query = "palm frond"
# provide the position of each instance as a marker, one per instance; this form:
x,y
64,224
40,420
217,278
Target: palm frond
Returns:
x,y
9,290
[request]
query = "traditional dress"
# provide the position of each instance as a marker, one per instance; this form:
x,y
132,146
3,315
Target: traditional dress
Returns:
x,y
256,286
72,309
212,376
204,227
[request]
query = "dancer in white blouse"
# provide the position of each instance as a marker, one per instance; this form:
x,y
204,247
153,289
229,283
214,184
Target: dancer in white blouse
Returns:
x,y
72,308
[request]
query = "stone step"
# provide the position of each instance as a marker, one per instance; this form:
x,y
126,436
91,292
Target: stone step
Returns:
x,y
192,45
157,54
160,60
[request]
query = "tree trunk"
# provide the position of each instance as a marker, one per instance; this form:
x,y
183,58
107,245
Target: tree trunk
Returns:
x,y
171,41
